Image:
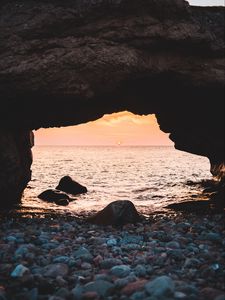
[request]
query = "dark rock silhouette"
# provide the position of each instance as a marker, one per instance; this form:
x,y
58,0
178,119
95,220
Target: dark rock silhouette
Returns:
x,y
116,213
81,59
15,163
68,185
55,196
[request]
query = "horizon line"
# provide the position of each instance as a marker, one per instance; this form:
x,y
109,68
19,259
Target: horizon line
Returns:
x,y
107,145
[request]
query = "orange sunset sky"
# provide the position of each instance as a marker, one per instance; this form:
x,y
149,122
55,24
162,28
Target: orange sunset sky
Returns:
x,y
122,128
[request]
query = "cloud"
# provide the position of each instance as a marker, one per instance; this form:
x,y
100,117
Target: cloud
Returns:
x,y
125,117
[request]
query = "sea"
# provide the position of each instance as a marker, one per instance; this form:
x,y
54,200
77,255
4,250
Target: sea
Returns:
x,y
152,177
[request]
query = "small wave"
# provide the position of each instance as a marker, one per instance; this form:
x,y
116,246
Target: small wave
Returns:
x,y
141,190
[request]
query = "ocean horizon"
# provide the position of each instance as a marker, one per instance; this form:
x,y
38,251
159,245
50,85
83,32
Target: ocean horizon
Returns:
x,y
152,177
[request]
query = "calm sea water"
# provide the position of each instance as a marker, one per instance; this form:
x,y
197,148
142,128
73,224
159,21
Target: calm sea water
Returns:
x,y
151,177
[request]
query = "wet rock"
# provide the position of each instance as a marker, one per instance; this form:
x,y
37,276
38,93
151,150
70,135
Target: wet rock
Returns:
x,y
121,271
63,292
77,292
211,293
90,296
116,213
55,196
62,202
20,271
55,270
134,286
173,245
110,262
68,185
140,271
111,242
160,287
138,296
83,254
179,295
213,237
101,287
61,259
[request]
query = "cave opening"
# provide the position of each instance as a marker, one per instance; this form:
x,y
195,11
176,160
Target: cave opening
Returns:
x,y
119,156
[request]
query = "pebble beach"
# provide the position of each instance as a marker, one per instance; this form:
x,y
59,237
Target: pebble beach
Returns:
x,y
165,256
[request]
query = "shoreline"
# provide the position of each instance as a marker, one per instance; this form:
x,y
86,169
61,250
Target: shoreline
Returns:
x,y
64,257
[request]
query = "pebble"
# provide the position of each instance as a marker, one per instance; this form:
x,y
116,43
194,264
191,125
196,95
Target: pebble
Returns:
x,y
55,270
110,262
111,242
20,271
121,271
70,259
160,287
101,287
140,271
134,287
84,254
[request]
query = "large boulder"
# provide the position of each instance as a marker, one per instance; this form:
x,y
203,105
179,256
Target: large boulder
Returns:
x,y
116,213
55,196
68,185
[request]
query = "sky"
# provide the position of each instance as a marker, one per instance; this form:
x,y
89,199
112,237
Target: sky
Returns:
x,y
123,128
207,2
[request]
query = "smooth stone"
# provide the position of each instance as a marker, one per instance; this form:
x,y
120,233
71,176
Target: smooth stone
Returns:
x,y
121,271
53,196
62,202
61,259
221,297
11,239
33,294
213,237
68,185
160,287
20,271
77,292
63,292
83,254
55,270
176,254
133,287
211,293
122,282
173,245
131,239
111,242
101,287
110,262
138,296
140,271
116,213
180,295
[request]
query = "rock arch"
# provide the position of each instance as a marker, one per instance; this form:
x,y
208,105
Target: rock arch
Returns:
x,y
65,63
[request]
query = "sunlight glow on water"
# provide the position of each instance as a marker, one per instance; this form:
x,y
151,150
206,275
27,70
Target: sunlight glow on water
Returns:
x,y
151,177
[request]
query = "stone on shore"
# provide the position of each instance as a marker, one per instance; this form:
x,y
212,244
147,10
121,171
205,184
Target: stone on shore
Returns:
x,y
54,270
68,185
55,196
160,287
116,213
20,271
101,287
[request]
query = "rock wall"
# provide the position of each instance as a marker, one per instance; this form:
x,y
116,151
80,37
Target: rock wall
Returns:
x,y
69,62
15,163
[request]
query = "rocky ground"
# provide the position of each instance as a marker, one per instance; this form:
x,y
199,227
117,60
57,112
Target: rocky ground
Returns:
x,y
168,256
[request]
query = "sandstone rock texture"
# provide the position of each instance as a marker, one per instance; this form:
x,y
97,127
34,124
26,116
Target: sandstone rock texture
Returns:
x,y
69,62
